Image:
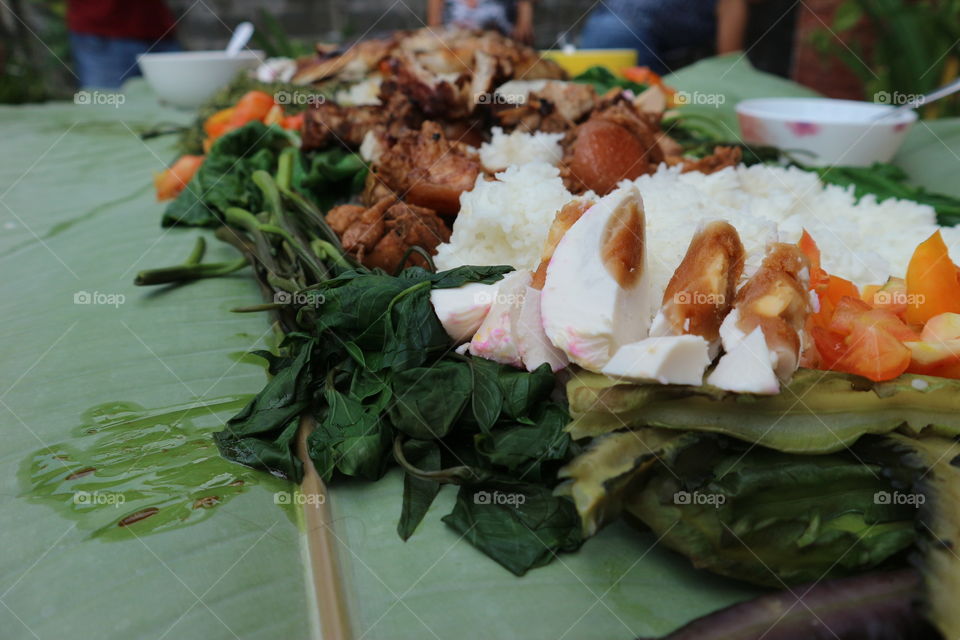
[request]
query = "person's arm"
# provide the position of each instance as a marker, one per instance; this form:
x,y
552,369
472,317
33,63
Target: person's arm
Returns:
x,y
434,13
523,29
731,25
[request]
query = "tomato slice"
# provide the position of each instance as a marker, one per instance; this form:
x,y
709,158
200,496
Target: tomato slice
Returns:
x,y
819,279
293,122
172,181
216,125
874,354
254,105
830,346
848,310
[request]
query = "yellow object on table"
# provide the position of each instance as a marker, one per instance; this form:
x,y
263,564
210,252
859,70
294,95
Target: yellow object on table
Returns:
x,y
578,61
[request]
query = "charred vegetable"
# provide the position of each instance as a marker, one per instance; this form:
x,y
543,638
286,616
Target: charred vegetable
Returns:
x,y
835,411
772,518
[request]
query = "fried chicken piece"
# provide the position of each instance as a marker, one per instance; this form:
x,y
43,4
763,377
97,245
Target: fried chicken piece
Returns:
x,y
329,123
615,143
379,236
340,218
555,108
353,62
722,158
427,169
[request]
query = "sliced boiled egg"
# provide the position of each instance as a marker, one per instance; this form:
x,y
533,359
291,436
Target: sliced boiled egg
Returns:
x,y
461,310
596,292
666,359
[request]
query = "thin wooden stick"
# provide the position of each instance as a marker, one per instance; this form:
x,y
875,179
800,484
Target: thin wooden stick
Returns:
x,y
322,546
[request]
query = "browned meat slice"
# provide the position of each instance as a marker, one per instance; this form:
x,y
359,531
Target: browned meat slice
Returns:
x,y
381,235
722,158
426,169
555,108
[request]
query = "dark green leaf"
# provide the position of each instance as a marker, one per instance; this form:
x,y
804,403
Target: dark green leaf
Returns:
x,y
428,400
521,526
350,437
418,493
523,448
261,435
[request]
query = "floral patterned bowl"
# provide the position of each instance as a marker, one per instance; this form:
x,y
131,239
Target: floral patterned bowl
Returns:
x,y
823,131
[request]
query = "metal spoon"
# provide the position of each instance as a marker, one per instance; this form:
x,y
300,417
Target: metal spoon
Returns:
x,y
933,96
241,36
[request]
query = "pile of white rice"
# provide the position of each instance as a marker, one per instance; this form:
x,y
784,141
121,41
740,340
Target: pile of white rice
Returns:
x,y
516,148
506,221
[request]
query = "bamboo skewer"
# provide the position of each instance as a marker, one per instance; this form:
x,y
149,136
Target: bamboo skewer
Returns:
x,y
321,546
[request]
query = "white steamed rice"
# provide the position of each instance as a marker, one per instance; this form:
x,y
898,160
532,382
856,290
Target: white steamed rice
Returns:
x,y
506,221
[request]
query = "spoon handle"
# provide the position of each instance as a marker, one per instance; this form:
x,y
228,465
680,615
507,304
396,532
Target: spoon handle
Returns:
x,y
241,36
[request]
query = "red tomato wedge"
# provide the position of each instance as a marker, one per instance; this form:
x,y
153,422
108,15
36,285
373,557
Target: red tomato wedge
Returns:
x,y
293,122
874,354
818,277
846,311
172,181
254,105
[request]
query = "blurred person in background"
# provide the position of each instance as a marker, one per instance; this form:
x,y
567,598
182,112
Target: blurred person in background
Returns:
x,y
657,29
510,17
106,36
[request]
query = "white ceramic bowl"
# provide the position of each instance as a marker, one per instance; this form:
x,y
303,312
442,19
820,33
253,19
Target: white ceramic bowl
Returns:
x,y
188,78
834,132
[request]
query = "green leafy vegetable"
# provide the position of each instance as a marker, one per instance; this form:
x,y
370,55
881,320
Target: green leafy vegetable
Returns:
x,y
223,180
602,80
418,493
885,181
519,525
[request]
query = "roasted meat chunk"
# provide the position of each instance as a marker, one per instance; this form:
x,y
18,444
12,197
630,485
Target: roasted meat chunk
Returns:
x,y
379,236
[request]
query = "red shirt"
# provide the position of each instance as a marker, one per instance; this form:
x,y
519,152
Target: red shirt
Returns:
x,y
141,19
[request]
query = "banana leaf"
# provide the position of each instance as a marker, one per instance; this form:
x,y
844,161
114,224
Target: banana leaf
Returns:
x,y
79,378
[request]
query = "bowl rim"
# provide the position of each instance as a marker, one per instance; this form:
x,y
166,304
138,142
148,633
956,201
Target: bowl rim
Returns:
x,y
211,54
751,107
